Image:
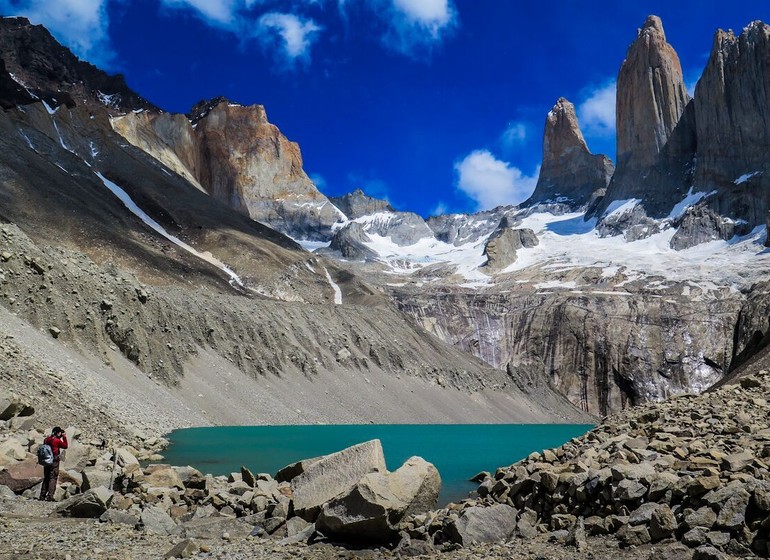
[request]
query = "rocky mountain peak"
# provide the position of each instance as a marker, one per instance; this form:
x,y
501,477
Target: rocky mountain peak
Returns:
x,y
49,71
569,171
651,96
203,107
357,204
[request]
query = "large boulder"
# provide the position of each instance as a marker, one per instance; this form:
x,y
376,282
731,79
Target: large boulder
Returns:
x,y
502,245
22,475
157,521
164,478
334,475
373,508
91,504
215,527
483,525
94,477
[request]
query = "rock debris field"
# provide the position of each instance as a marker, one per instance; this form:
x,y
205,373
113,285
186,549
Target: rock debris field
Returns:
x,y
684,479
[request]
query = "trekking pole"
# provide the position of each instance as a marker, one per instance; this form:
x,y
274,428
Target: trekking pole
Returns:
x,y
114,464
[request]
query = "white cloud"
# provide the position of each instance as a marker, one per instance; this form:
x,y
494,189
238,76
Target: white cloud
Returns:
x,y
80,25
514,135
440,209
597,112
222,12
491,182
430,13
295,35
318,181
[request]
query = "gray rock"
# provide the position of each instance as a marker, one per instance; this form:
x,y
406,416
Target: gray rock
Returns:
x,y
94,477
762,496
718,538
6,492
350,242
183,549
702,517
357,204
633,536
158,522
500,249
483,525
215,527
695,537
91,504
373,508
334,475
673,551
643,514
577,535
662,523
707,552
120,517
629,490
733,512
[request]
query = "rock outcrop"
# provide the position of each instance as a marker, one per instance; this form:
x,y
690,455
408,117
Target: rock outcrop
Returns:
x,y
655,130
732,112
500,248
350,242
47,70
239,158
357,204
569,172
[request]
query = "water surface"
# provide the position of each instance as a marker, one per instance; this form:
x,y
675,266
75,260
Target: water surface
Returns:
x,y
459,451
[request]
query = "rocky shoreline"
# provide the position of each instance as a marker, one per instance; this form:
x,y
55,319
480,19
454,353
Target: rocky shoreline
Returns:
x,y
687,478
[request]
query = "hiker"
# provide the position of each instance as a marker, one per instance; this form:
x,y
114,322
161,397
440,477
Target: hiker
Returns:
x,y
57,441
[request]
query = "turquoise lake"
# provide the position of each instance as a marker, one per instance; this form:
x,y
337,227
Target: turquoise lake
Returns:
x,y
458,451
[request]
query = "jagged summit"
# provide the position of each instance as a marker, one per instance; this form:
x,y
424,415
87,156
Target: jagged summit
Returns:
x,y
653,24
49,71
357,204
203,107
569,172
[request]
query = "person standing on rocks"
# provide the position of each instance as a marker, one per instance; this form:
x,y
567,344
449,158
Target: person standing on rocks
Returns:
x,y
58,441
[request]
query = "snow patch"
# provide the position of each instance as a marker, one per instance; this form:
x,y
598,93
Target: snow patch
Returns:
x,y
142,215
745,177
691,199
620,207
335,287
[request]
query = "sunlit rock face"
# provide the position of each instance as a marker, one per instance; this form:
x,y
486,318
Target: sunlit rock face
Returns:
x,y
732,112
237,156
569,173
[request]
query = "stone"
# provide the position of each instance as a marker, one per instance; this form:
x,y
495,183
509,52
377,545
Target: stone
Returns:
x,y
702,484
577,535
95,477
120,517
22,475
157,521
333,475
737,461
762,496
569,172
695,537
248,477
10,405
372,509
502,245
12,449
718,538
662,523
186,548
483,525
165,477
732,515
642,514
707,552
629,490
673,551
91,504
633,536
215,527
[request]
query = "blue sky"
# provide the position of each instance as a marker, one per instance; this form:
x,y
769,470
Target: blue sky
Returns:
x,y
436,105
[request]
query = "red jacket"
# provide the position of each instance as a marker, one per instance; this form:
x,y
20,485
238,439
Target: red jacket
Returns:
x,y
57,444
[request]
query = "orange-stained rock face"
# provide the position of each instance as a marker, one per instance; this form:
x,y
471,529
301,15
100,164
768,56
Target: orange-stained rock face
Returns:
x,y
651,96
237,156
569,170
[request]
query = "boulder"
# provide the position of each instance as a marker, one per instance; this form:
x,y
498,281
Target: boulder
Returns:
x,y
156,521
483,525
702,517
183,549
120,517
333,475
732,515
94,477
215,527
22,475
662,523
10,405
633,536
12,449
707,552
373,508
164,478
91,504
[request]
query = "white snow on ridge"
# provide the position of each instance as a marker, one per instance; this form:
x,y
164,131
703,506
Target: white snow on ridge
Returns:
x,y
745,177
142,215
335,287
620,207
691,199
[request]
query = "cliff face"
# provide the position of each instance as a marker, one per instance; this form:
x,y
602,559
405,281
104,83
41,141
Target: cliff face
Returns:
x,y
569,172
732,111
652,136
603,351
357,204
238,157
51,72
